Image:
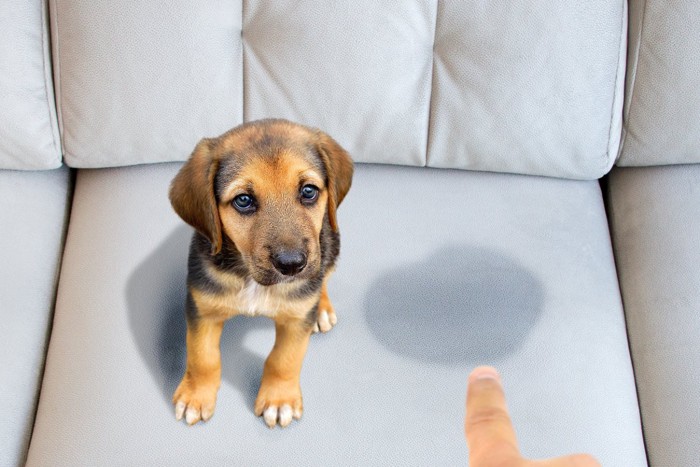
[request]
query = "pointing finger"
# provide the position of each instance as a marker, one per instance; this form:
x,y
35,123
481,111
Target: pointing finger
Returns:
x,y
487,425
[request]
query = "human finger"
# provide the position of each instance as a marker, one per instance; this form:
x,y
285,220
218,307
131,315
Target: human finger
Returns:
x,y
487,424
577,460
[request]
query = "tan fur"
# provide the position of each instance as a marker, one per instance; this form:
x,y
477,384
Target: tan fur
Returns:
x,y
191,196
280,381
276,185
252,299
274,174
203,375
324,303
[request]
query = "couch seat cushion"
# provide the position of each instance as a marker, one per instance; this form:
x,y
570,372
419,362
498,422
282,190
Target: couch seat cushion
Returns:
x,y
439,271
655,218
32,224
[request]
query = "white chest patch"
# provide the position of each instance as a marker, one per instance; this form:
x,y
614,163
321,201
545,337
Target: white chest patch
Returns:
x,y
249,298
259,300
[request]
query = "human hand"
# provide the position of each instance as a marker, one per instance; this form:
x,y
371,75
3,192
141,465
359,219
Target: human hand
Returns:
x,y
490,434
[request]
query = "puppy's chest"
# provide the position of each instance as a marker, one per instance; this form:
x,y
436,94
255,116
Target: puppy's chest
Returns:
x,y
253,299
249,298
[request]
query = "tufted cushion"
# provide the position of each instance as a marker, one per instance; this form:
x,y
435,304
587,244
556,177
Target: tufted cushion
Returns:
x,y
361,71
142,81
662,108
28,128
533,89
529,87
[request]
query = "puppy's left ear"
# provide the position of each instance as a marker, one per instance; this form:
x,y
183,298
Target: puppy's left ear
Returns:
x,y
339,169
192,194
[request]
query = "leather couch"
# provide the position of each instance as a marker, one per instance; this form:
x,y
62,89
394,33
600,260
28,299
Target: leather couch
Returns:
x,y
526,195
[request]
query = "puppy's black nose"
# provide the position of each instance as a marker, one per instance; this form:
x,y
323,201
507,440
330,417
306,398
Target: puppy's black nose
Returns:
x,y
289,263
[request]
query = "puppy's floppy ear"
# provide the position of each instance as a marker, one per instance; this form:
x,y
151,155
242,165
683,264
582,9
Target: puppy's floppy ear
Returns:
x,y
339,169
192,193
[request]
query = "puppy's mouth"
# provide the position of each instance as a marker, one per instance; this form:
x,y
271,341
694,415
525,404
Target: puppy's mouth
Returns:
x,y
269,277
270,274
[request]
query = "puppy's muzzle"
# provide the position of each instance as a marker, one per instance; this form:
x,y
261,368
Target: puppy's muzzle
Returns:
x,y
289,263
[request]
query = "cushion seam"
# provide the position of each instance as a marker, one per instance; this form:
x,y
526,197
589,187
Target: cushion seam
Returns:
x,y
431,89
610,159
45,45
633,79
58,82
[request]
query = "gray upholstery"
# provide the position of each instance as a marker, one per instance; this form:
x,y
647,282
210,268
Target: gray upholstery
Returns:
x,y
533,89
662,105
28,127
439,271
655,214
528,87
329,66
135,87
32,221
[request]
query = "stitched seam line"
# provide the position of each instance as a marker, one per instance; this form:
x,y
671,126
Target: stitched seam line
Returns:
x,y
58,82
430,89
623,32
48,81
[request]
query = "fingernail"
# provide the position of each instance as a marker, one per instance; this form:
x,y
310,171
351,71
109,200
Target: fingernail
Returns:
x,y
484,372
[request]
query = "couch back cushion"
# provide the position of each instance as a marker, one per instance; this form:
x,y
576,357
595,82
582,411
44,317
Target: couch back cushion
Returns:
x,y
28,128
662,106
531,87
534,88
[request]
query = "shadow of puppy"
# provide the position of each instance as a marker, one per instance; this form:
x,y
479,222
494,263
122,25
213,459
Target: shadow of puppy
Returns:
x,y
156,298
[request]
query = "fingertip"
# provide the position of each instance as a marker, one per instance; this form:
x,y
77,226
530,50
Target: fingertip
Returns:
x,y
484,372
487,421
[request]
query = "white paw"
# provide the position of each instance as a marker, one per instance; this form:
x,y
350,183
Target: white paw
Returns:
x,y
282,415
325,321
194,402
192,414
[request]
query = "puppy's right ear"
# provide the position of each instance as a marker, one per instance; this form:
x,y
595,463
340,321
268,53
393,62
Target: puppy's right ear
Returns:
x,y
192,193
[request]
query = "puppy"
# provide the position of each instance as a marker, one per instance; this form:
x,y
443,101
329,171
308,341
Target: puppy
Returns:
x,y
262,199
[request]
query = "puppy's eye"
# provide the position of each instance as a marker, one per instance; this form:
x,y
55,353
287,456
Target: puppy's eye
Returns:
x,y
309,193
244,204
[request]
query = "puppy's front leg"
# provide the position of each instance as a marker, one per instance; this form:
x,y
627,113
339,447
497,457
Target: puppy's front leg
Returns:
x,y
326,318
279,397
195,397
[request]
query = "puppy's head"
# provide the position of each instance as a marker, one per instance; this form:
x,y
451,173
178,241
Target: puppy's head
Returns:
x,y
268,187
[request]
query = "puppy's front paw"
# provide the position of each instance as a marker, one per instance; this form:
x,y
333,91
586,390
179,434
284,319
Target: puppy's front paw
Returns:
x,y
194,400
326,317
279,402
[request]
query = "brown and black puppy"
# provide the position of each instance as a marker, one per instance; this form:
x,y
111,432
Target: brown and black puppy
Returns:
x,y
262,198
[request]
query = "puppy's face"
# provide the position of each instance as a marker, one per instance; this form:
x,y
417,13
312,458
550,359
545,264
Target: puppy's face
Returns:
x,y
272,207
266,186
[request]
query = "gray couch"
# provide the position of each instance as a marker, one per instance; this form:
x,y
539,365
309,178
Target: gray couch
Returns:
x,y
527,195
